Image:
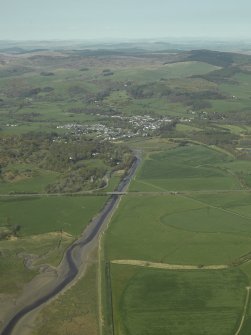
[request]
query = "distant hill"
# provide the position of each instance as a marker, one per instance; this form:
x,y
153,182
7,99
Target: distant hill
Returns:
x,y
217,58
12,50
17,50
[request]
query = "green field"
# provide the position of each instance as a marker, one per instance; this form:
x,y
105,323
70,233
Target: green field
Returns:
x,y
206,220
160,302
47,226
178,230
168,71
35,184
68,119
50,214
210,229
191,167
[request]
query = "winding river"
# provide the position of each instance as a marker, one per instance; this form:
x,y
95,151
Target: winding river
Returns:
x,y
72,260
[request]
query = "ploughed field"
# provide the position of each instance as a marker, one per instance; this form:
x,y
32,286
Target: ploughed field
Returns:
x,y
179,247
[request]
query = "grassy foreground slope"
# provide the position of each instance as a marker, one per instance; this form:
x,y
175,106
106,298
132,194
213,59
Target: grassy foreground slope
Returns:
x,y
74,312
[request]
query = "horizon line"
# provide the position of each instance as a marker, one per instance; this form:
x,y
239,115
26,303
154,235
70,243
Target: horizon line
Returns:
x,y
137,39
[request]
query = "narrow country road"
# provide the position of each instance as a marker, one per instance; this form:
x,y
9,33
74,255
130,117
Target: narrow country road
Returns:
x,y
73,258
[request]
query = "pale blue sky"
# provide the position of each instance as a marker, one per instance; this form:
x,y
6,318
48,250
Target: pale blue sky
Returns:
x,y
127,19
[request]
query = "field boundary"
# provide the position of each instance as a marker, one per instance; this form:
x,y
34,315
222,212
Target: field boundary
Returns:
x,y
216,207
167,266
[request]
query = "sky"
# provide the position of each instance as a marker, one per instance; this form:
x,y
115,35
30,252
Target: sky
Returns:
x,y
124,19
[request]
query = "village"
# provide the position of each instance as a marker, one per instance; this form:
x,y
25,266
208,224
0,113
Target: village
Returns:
x,y
130,126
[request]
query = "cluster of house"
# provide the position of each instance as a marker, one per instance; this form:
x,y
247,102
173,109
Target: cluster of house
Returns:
x,y
130,126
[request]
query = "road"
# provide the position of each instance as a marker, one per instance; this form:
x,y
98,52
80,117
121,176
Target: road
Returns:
x,y
73,258
244,311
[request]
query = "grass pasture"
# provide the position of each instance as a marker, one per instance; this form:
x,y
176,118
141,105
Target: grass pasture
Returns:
x,y
34,184
206,222
241,89
185,184
167,71
177,230
48,226
246,329
50,214
160,302
192,167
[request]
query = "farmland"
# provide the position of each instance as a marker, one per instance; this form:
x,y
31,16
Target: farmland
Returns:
x,y
43,234
159,301
182,226
187,168
62,213
171,229
176,255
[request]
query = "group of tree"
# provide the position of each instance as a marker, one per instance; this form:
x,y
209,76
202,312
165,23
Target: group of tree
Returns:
x,y
81,163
